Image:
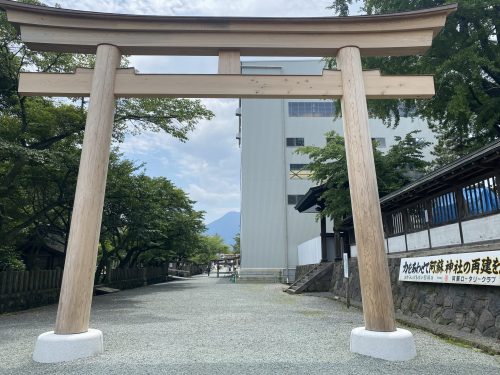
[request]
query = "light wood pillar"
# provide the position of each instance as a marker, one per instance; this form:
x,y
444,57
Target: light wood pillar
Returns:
x,y
378,307
78,280
229,62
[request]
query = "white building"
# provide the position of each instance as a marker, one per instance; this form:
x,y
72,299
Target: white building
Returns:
x,y
273,176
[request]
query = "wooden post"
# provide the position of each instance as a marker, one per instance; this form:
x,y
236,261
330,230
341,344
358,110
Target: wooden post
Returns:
x,y
378,307
324,252
229,62
78,278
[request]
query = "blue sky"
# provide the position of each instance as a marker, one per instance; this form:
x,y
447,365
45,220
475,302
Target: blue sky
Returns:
x,y
207,166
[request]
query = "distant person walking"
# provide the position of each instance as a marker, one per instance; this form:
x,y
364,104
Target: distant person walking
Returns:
x,y
208,271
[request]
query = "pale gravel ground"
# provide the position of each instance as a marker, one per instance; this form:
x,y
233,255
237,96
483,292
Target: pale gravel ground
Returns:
x,y
209,326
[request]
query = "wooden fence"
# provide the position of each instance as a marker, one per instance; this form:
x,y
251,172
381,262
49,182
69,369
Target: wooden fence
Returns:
x,y
125,278
21,290
14,282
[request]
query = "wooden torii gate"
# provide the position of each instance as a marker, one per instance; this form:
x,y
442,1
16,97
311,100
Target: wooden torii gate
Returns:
x,y
111,35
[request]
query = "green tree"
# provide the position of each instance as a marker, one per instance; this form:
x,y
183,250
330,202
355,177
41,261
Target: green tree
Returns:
x,y
40,143
400,165
465,61
208,249
146,221
236,245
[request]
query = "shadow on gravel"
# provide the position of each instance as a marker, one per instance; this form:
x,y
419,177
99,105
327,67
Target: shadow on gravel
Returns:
x,y
171,286
134,296
356,365
124,299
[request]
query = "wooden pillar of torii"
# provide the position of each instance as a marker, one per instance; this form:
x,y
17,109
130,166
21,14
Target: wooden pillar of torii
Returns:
x,y
78,278
378,306
109,35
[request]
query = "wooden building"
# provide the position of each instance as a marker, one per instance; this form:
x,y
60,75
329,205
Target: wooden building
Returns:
x,y
453,206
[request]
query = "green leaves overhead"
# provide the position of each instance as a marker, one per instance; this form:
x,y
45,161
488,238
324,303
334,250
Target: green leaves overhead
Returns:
x,y
40,143
174,116
465,61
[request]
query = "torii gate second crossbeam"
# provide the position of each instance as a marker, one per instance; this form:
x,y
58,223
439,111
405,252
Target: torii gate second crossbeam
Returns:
x,y
110,35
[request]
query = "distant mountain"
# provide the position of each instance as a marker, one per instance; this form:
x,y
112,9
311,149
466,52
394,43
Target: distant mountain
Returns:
x,y
227,227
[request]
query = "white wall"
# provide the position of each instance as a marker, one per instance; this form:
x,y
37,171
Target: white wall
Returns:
x,y
302,226
263,204
279,228
475,230
481,229
309,252
418,240
397,244
271,229
445,235
406,125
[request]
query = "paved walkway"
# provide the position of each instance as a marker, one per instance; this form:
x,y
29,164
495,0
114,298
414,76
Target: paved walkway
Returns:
x,y
210,326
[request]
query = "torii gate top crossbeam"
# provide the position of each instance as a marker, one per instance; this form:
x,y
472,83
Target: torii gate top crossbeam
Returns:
x,y
63,30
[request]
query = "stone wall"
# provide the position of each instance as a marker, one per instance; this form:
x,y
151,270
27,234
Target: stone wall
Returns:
x,y
320,284
468,308
302,270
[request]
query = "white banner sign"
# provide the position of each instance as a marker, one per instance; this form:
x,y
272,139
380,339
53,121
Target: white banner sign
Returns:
x,y
346,265
467,268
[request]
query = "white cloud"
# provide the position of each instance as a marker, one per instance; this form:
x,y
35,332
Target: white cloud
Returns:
x,y
261,8
175,64
208,165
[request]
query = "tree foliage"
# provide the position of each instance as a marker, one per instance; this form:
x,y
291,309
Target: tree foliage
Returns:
x,y
208,249
400,165
465,61
236,245
146,220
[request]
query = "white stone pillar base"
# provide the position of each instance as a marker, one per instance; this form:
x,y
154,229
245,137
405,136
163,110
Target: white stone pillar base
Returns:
x,y
391,346
52,348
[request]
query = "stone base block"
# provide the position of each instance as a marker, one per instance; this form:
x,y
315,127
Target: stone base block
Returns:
x,y
52,348
392,346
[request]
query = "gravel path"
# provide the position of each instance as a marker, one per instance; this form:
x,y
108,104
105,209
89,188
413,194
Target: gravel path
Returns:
x,y
209,326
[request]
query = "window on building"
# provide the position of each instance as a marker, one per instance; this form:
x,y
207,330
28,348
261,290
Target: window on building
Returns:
x,y
395,223
299,171
294,199
310,109
380,142
296,167
293,142
417,217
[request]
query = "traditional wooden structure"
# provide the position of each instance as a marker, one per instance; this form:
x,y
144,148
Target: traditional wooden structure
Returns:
x,y
111,35
454,206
